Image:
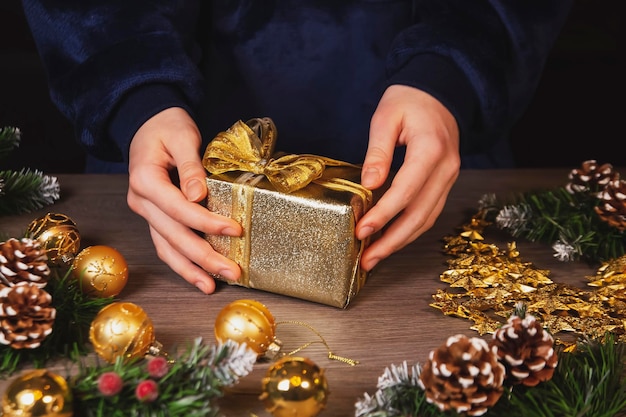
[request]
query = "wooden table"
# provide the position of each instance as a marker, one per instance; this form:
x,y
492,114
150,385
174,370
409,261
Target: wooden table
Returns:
x,y
389,322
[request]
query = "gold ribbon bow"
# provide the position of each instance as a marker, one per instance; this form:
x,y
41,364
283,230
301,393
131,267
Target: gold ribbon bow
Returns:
x,y
249,147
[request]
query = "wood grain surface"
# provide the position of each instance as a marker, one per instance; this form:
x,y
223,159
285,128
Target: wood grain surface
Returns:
x,y
389,322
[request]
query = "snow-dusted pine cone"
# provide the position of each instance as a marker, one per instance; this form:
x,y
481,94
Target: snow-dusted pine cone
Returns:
x,y
26,315
526,349
590,177
23,260
613,207
463,375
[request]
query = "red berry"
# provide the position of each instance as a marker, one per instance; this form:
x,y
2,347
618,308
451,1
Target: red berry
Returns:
x,y
109,384
147,391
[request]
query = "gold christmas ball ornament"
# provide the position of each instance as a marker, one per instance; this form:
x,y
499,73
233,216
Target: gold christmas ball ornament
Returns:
x,y
122,329
38,393
249,322
102,271
294,387
58,234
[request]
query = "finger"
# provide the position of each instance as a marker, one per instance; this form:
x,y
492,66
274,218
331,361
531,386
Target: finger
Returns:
x,y
191,172
384,132
186,243
405,186
181,265
172,203
405,229
419,215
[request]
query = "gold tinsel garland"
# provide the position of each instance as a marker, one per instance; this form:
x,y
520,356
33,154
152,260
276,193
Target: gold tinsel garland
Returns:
x,y
486,282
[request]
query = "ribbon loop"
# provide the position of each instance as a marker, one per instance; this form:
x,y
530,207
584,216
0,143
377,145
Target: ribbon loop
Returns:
x,y
249,147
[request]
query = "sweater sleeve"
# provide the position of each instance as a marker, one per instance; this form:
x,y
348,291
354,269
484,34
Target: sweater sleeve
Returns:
x,y
481,59
99,54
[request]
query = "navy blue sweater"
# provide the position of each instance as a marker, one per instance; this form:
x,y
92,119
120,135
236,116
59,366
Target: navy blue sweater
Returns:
x,y
317,68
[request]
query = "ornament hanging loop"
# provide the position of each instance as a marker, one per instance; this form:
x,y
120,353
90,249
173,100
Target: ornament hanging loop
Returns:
x,y
331,355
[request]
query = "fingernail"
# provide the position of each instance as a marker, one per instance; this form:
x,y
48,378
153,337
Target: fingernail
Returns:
x,y
369,177
373,263
365,232
194,190
229,231
228,274
202,287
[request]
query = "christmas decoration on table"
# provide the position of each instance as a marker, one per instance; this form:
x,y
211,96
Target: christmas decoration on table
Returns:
x,y
44,311
188,383
307,202
25,190
251,322
583,219
588,380
102,270
59,236
294,386
123,330
563,348
487,281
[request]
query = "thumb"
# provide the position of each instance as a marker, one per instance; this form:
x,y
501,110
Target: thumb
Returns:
x,y
193,179
379,155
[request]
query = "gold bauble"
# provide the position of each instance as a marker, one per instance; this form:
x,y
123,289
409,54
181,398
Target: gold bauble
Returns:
x,y
58,234
121,329
102,271
38,393
249,322
294,387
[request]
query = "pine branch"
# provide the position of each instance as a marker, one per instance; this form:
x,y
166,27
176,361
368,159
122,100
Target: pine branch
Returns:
x,y
588,382
398,395
26,190
195,379
9,139
557,216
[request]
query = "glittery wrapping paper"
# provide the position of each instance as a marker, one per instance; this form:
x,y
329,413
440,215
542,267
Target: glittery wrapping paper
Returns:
x,y
300,244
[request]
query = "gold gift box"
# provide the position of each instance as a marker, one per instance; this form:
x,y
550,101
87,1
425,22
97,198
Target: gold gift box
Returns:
x,y
300,241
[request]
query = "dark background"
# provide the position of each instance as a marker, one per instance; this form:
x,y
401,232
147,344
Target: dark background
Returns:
x,y
576,113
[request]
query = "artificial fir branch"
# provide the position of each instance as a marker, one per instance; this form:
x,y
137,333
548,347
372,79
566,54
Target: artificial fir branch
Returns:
x,y
588,381
74,312
193,382
559,217
25,190
9,140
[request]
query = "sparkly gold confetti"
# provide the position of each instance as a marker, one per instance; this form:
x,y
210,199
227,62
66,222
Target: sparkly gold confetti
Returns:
x,y
487,282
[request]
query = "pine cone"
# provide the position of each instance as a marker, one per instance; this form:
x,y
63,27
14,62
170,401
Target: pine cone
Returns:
x,y
26,315
613,207
463,375
590,177
526,349
23,261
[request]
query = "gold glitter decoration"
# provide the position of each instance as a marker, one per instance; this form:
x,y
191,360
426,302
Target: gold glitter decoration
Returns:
x,y
486,282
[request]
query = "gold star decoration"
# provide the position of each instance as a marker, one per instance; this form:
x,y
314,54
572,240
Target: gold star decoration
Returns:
x,y
486,282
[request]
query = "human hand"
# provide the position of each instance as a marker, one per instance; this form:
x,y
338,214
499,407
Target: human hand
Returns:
x,y
171,140
407,116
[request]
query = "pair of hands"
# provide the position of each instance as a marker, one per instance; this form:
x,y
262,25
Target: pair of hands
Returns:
x,y
405,116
